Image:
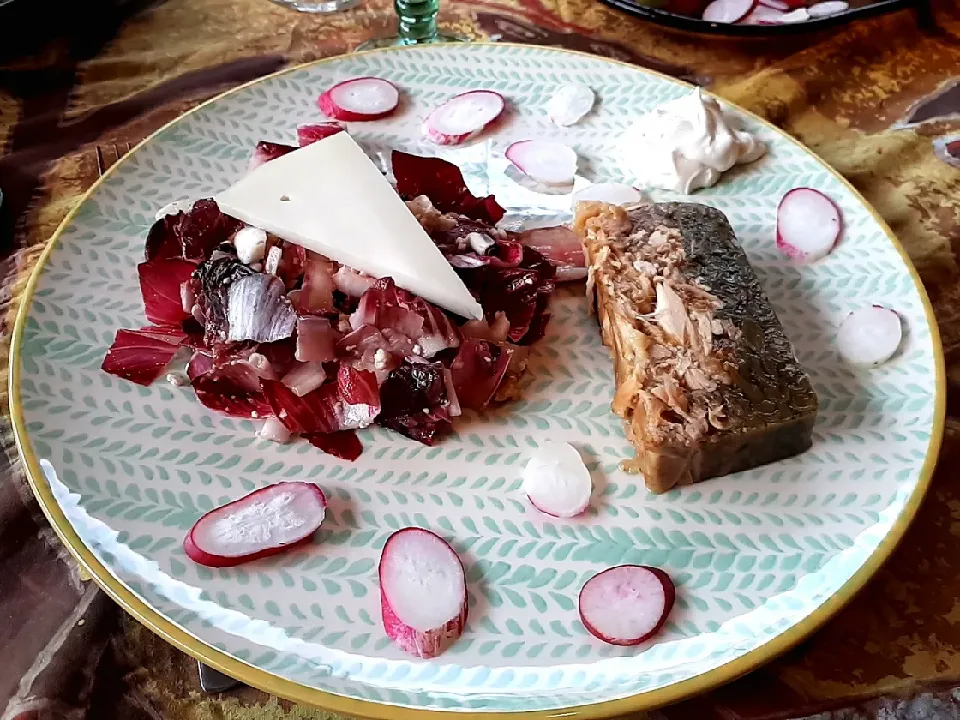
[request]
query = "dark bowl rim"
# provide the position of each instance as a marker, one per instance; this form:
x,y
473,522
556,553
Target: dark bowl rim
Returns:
x,y
696,25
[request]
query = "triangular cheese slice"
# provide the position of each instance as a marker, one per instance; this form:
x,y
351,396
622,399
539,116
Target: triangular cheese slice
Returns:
x,y
329,197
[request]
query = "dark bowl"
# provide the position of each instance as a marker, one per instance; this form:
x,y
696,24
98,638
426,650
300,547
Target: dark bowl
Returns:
x,y
693,24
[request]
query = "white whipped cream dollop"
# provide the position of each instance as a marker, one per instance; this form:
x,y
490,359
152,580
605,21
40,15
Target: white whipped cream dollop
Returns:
x,y
686,144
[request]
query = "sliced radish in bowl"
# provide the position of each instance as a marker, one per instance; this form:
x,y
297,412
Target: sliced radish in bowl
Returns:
x,y
570,103
364,98
423,592
545,161
626,605
727,11
265,522
462,117
870,335
609,192
556,480
808,224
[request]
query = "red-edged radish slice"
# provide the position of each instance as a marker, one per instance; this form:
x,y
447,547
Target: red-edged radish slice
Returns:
x,y
569,104
265,522
612,193
762,15
829,7
556,480
795,16
808,224
727,11
463,116
423,592
776,5
870,335
364,98
626,605
307,134
548,162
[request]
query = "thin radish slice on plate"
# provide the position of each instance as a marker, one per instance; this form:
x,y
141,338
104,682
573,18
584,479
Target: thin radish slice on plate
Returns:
x,y
829,7
548,162
870,335
462,117
626,605
569,104
609,192
727,11
265,522
776,5
365,98
808,224
795,16
423,592
556,480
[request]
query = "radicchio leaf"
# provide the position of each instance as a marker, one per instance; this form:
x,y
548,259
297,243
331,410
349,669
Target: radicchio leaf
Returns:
x,y
307,134
266,151
343,444
193,235
561,247
351,401
442,182
522,293
160,282
141,355
477,371
387,307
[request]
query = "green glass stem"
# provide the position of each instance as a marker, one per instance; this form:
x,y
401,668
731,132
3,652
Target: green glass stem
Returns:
x,y
417,20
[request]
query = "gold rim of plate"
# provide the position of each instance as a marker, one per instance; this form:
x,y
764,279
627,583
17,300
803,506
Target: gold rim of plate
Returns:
x,y
300,693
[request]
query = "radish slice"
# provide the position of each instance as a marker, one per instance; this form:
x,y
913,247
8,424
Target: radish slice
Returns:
x,y
830,7
463,116
365,98
727,11
547,162
612,193
625,605
423,592
265,522
556,480
808,224
570,103
794,16
870,335
776,5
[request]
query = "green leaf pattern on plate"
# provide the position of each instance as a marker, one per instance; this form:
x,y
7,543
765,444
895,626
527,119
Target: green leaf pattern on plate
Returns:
x,y
752,555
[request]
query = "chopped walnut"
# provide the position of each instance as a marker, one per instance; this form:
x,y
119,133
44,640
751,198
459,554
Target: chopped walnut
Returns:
x,y
428,216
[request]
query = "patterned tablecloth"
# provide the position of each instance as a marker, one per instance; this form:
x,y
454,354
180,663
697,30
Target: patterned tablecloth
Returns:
x,y
879,100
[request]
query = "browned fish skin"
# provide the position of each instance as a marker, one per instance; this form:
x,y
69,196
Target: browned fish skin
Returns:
x,y
707,381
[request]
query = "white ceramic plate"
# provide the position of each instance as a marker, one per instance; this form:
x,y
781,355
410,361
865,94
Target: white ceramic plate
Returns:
x,y
760,558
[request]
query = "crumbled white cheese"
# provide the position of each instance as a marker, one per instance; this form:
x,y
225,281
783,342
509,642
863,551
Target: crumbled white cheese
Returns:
x,y
251,244
177,379
479,242
380,359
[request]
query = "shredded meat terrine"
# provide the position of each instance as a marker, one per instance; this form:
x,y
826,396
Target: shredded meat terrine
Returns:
x,y
706,380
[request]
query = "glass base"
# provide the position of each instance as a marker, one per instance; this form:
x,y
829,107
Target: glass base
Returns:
x,y
320,7
397,41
